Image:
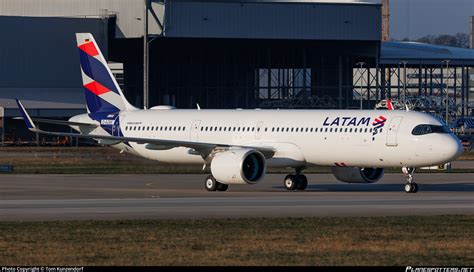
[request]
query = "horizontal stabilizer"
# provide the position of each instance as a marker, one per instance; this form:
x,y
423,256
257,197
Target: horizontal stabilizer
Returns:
x,y
58,122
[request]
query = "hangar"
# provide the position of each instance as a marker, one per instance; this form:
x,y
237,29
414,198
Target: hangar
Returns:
x,y
220,54
217,53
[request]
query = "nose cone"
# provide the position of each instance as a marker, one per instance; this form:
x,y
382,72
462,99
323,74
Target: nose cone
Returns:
x,y
453,149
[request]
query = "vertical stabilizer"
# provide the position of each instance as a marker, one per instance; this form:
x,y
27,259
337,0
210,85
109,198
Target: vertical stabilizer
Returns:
x,y
102,92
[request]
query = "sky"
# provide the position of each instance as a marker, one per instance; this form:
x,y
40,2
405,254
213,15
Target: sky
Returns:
x,y
416,18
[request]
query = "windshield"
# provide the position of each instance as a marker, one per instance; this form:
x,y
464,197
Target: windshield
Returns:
x,y
427,129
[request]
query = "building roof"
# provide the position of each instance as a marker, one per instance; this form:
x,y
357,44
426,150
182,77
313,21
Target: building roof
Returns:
x,y
414,53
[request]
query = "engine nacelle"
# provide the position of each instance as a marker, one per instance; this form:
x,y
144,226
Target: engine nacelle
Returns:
x,y
239,166
357,174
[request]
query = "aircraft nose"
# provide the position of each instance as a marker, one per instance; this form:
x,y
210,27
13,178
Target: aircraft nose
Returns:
x,y
454,148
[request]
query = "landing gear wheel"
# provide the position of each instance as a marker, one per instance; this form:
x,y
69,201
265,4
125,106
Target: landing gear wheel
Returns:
x,y
301,183
290,182
221,187
410,186
210,183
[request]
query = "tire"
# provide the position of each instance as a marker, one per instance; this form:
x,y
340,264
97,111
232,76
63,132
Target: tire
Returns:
x,y
415,187
301,182
222,187
290,182
210,183
408,188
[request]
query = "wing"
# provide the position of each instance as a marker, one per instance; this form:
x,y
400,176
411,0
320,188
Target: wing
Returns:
x,y
204,149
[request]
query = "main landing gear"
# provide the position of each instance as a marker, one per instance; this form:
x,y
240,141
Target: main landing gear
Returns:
x,y
410,186
213,185
296,182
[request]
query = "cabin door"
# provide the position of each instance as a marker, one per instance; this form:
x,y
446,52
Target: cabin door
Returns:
x,y
194,133
393,131
258,132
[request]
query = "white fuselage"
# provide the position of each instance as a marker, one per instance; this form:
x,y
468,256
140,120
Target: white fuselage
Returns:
x,y
301,137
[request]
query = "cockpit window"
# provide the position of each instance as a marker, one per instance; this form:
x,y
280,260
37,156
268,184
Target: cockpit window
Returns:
x,y
427,129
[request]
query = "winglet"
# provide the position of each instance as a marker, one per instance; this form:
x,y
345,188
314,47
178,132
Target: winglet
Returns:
x,y
29,123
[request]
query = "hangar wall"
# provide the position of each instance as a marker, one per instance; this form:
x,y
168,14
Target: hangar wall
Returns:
x,y
39,61
270,20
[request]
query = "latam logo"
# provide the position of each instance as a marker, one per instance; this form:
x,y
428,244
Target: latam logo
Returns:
x,y
346,121
378,124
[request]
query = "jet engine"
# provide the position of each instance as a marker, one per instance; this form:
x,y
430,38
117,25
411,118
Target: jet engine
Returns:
x,y
357,174
239,166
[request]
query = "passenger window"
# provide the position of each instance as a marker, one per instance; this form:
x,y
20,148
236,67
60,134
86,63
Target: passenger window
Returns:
x,y
311,130
366,129
326,130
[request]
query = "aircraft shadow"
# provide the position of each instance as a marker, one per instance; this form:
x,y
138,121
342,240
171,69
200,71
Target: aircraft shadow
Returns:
x,y
424,187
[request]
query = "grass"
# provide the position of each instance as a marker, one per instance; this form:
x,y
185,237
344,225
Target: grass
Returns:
x,y
431,240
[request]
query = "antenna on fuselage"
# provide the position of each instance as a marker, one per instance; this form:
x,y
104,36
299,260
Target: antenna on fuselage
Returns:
x,y
198,107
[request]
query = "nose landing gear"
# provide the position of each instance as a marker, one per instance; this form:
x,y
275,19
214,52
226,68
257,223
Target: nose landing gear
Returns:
x,y
410,186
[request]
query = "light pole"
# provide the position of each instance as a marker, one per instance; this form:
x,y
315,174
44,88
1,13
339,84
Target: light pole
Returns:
x,y
404,97
145,55
360,79
446,90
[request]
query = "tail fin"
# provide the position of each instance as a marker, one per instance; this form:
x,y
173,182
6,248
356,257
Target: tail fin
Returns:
x,y
102,92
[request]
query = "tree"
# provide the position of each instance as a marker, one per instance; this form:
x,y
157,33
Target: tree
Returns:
x,y
457,40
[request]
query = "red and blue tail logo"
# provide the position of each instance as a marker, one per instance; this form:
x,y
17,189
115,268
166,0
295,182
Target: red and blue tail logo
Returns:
x,y
378,124
101,89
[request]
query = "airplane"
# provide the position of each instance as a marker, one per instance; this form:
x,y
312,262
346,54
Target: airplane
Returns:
x,y
238,145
